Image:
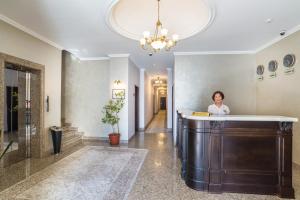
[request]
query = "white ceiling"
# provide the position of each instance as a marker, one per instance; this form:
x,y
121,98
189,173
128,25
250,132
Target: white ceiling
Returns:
x,y
199,16
239,25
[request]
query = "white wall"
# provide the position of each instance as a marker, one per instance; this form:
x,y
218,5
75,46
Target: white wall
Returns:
x,y
169,99
119,71
148,99
142,100
198,76
281,95
86,92
19,44
133,80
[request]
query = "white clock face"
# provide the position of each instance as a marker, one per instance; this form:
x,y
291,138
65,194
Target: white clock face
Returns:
x,y
273,66
260,70
289,60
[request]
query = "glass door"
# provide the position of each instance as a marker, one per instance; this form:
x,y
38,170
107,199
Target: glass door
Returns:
x,y
21,113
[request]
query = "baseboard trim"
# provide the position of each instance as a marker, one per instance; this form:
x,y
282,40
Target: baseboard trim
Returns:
x,y
87,138
148,124
295,165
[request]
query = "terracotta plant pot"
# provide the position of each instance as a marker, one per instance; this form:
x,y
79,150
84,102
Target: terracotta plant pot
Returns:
x,y
114,138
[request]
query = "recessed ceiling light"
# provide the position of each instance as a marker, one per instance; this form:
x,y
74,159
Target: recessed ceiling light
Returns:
x,y
269,20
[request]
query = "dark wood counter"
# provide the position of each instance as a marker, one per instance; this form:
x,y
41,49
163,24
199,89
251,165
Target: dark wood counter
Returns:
x,y
236,156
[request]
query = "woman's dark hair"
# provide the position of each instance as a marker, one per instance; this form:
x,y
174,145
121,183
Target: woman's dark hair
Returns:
x,y
218,92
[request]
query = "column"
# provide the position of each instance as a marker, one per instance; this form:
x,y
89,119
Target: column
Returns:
x,y
170,98
142,99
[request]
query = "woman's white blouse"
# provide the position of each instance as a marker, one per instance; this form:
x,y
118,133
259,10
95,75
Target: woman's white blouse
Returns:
x,y
215,110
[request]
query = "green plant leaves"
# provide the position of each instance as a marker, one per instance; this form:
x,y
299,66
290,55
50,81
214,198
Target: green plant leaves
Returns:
x,y
111,111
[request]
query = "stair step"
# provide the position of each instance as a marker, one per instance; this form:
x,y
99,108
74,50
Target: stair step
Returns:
x,y
72,142
71,139
69,128
68,135
65,124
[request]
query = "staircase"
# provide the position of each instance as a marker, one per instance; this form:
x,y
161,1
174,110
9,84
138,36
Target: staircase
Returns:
x,y
70,136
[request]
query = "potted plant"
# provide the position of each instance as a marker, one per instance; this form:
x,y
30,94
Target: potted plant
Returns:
x,y
111,111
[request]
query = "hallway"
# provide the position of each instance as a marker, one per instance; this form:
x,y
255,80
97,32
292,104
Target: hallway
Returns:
x,y
158,124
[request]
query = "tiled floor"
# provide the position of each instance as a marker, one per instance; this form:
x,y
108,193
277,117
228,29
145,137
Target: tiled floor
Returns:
x,y
158,124
159,177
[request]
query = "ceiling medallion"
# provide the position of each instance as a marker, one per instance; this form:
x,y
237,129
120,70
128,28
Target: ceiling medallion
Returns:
x,y
159,40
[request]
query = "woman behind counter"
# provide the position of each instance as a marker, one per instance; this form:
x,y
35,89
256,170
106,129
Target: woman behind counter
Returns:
x,y
218,108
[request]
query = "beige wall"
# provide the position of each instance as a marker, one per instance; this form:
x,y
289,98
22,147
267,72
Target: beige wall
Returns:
x,y
281,95
148,99
85,92
87,87
19,44
198,76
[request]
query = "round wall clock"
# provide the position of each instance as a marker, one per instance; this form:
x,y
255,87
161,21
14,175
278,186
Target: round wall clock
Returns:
x,y
273,65
289,60
260,70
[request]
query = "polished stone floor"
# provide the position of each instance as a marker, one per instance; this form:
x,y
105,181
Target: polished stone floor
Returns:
x,y
158,124
159,176
91,173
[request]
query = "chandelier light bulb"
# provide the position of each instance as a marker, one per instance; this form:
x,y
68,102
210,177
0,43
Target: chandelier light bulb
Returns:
x,y
143,41
175,37
157,45
164,32
146,34
170,43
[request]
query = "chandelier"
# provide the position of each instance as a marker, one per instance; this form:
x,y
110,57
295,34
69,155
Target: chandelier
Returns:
x,y
160,38
158,81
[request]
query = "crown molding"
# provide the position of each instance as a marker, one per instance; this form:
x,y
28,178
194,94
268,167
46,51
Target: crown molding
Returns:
x,y
212,53
29,31
94,58
125,55
278,38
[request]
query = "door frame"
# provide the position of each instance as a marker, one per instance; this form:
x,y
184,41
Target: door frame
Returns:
x,y
4,58
136,108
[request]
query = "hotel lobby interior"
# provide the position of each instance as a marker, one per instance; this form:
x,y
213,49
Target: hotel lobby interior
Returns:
x,y
149,99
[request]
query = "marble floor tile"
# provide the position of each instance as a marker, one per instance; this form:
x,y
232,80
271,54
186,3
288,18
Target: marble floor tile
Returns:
x,y
93,172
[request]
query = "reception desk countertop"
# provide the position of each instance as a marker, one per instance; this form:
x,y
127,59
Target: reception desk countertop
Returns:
x,y
268,118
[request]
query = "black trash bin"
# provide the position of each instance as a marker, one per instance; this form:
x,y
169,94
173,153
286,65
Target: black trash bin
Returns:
x,y
56,133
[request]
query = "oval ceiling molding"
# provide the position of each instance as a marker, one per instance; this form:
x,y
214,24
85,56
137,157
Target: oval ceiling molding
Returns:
x,y
186,18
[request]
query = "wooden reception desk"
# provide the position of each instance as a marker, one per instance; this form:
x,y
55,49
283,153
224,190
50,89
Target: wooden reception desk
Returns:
x,y
243,154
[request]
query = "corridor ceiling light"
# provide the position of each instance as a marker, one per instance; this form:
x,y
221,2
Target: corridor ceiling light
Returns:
x,y
160,39
158,81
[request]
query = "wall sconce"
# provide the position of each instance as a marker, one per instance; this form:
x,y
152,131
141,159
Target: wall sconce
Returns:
x,y
117,82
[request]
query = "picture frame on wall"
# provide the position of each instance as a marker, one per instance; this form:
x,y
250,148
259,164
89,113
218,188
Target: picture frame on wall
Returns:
x,y
118,93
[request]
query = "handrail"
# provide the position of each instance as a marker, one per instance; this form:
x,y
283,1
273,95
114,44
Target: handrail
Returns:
x,y
6,149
